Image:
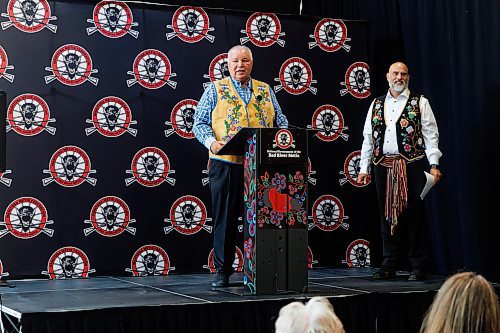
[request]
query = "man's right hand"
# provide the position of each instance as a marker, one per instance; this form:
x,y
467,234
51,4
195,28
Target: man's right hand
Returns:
x,y
216,146
362,178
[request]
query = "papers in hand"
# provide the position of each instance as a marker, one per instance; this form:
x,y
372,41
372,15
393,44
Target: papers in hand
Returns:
x,y
429,183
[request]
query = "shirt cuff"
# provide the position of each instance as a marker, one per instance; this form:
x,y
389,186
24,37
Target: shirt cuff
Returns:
x,y
209,141
364,169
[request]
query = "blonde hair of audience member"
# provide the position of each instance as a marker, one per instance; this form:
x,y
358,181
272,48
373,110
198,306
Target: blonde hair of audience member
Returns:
x,y
317,316
465,303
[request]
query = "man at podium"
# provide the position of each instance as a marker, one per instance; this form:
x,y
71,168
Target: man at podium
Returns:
x,y
225,107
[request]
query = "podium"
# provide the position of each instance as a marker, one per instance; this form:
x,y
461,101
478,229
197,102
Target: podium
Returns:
x,y
275,208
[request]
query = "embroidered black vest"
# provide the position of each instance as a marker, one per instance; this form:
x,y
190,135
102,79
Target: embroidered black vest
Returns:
x,y
411,144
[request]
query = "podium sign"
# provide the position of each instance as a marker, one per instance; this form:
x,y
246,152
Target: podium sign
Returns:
x,y
283,146
275,208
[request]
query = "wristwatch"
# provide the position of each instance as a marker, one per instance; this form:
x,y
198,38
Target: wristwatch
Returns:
x,y
434,166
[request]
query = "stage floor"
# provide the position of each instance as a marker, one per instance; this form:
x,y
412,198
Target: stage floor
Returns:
x,y
28,303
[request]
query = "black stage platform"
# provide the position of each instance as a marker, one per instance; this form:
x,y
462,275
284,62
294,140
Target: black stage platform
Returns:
x,y
186,303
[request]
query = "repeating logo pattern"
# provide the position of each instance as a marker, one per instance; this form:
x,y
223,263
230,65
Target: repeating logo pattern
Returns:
x,y
351,170
68,262
295,77
357,80
330,122
357,254
263,30
217,70
69,166
4,66
206,180
188,215
190,24
310,172
29,16
113,19
25,218
330,35
182,119
4,180
150,260
111,117
126,118
71,65
29,115
109,217
152,70
237,264
150,167
328,214
310,258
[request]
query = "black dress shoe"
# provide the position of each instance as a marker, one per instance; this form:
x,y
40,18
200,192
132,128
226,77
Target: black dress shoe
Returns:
x,y
221,280
417,276
384,274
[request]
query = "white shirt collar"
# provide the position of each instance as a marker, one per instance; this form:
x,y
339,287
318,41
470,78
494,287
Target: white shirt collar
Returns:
x,y
405,94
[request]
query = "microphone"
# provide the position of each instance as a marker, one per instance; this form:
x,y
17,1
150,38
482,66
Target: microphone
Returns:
x,y
257,97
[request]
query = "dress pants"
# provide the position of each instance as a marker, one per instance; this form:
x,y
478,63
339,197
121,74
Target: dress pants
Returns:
x,y
226,187
413,216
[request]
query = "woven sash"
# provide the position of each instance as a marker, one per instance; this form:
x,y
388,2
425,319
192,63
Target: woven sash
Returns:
x,y
396,195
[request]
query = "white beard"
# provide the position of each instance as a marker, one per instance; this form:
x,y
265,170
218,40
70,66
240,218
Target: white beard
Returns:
x,y
398,87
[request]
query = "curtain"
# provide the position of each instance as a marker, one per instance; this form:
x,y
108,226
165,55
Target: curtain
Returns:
x,y
452,50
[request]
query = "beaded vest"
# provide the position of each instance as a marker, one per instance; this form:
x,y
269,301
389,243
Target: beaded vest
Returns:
x,y
231,113
408,128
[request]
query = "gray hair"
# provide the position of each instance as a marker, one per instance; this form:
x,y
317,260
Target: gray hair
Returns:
x,y
240,47
316,316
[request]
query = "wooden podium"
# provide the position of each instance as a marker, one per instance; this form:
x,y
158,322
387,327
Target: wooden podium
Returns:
x,y
275,208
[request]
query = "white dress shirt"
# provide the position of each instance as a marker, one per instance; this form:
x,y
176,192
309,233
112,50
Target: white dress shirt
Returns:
x,y
393,107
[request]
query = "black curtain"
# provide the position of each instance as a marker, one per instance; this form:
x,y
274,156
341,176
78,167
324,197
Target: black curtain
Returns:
x,y
452,49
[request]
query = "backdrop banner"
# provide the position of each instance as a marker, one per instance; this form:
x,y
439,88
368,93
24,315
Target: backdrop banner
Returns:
x,y
104,175
3,145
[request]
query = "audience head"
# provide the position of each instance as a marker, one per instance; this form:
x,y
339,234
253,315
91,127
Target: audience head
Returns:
x,y
465,303
317,316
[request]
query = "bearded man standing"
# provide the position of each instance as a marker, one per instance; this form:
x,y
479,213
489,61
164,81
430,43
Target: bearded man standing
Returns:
x,y
399,137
